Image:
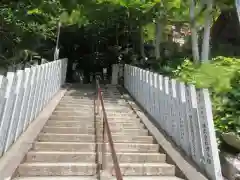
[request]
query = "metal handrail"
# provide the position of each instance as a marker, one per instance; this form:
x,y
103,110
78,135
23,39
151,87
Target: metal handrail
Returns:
x,y
109,134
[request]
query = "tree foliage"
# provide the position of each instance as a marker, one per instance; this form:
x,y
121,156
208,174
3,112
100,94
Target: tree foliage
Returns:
x,y
24,24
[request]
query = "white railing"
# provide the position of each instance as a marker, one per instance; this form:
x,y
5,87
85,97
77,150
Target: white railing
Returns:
x,y
182,111
23,94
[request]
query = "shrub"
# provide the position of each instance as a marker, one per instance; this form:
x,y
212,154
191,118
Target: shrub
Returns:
x,y
222,78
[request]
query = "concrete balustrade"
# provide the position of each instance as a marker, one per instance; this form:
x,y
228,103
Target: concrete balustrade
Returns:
x,y
184,112
23,94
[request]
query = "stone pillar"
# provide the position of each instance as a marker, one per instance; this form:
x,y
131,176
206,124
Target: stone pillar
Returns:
x,y
115,74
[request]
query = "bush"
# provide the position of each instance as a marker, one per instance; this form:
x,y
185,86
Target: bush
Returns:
x,y
222,78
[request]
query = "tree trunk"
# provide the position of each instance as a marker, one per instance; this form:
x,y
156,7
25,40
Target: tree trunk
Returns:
x,y
142,44
194,35
158,40
206,33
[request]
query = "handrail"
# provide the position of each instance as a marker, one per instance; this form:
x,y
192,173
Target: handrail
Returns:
x,y
109,134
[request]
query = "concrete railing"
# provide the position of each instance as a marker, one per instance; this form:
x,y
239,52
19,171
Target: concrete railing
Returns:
x,y
182,111
23,94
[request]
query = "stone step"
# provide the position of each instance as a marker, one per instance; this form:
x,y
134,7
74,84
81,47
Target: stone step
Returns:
x,y
89,117
94,178
86,103
85,93
123,125
54,116
118,109
69,103
88,106
124,104
82,94
117,121
72,113
106,91
98,119
54,123
115,116
113,128
84,124
116,105
85,113
75,130
108,102
77,108
112,96
57,169
81,97
146,169
63,105
130,113
57,156
78,101
84,106
90,147
115,100
80,91
91,138
125,119
92,119
58,178
78,169
82,102
43,137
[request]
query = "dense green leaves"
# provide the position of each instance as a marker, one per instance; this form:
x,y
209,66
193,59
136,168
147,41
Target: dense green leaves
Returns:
x,y
222,77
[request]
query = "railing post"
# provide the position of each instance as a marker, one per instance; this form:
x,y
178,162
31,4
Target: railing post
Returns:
x,y
211,163
183,125
98,104
32,96
15,113
10,96
193,120
98,97
141,86
103,144
23,110
151,93
173,108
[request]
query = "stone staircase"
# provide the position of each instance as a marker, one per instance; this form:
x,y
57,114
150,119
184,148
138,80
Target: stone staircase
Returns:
x,y
66,147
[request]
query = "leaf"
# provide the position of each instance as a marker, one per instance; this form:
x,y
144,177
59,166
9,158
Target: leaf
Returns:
x,y
34,11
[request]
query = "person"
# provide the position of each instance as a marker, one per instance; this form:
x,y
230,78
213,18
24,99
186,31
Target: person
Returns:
x,y
98,76
91,77
104,73
74,65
